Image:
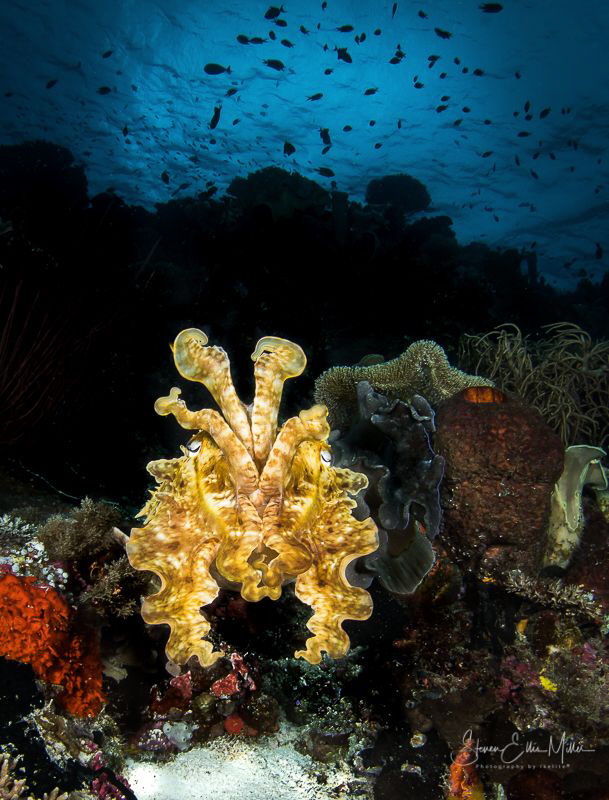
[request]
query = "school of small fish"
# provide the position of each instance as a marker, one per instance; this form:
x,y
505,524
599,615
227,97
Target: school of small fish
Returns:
x,y
345,98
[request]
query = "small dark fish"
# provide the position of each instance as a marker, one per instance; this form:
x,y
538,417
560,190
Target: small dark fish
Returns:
x,y
487,153
544,113
281,22
478,71
326,172
257,40
378,145
527,106
325,135
466,109
488,122
345,28
180,188
347,128
125,131
368,92
465,70
272,35
552,156
325,149
273,12
419,85
216,69
286,43
288,149
372,123
324,5
534,174
495,217
51,83
517,75
433,58
536,155
395,60
328,71
8,93
442,33
457,60
445,97
528,117
216,117
236,121
522,134
343,54
304,30
275,63
103,90
243,39
399,124
598,254
230,92
423,15
457,122
517,160
165,176
491,8
394,8
377,31
443,75
440,109
361,38
316,96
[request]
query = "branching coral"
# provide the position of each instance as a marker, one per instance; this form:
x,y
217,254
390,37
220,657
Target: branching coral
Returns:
x,y
14,788
422,369
564,375
251,504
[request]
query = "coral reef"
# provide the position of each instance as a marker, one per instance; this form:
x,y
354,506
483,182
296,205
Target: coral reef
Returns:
x,y
422,369
256,505
564,375
37,627
90,545
502,461
391,445
283,192
400,191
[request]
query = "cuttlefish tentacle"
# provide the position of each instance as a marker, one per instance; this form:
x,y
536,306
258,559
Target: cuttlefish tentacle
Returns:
x,y
211,367
309,425
242,467
237,548
276,360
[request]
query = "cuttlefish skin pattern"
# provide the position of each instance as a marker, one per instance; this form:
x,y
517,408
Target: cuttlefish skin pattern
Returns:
x,y
257,504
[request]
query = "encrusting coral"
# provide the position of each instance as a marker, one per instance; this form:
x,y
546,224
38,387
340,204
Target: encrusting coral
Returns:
x,y
37,628
251,505
422,369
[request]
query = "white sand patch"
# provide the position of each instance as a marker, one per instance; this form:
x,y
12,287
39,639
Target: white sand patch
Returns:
x,y
233,767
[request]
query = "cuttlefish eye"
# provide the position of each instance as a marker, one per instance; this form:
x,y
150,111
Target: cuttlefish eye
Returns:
x,y
194,446
326,457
